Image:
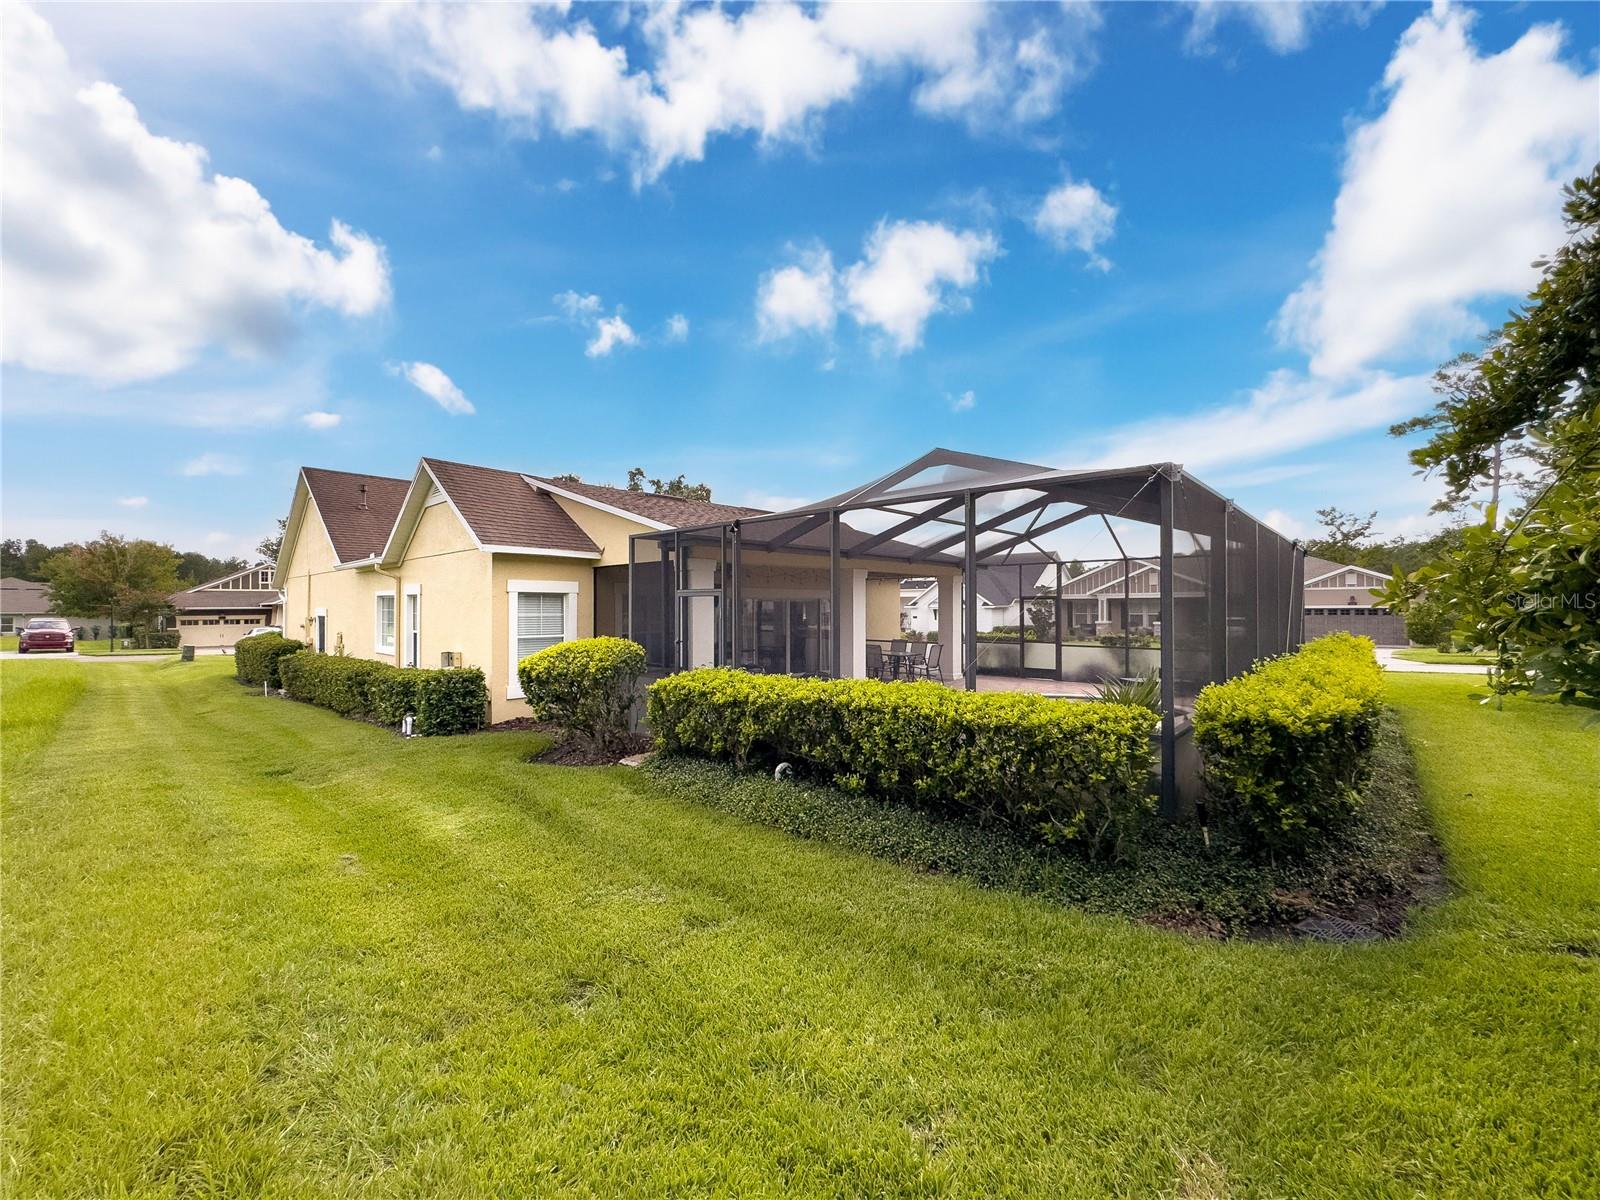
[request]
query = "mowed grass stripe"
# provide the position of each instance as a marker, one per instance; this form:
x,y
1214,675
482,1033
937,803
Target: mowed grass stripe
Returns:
x,y
537,980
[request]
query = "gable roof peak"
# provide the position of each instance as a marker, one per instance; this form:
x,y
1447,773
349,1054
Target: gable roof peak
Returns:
x,y
358,510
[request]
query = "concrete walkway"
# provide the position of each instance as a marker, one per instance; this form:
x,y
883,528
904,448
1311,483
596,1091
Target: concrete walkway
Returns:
x,y
1388,661
47,655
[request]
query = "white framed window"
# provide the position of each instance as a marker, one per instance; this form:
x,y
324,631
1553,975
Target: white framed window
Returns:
x,y
541,613
413,626
320,628
383,622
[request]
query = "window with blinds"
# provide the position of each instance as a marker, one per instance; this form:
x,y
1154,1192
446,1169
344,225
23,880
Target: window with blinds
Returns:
x,y
541,621
386,622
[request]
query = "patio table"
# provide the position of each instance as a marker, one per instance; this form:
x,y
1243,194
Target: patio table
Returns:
x,y
900,662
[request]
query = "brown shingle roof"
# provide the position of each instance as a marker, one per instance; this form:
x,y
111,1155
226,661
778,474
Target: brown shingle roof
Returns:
x,y
355,531
503,509
219,599
23,596
669,510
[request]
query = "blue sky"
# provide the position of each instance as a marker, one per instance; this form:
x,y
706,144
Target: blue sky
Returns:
x,y
781,250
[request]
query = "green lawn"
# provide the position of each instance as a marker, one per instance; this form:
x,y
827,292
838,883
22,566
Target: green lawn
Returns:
x,y
103,646
253,949
1438,657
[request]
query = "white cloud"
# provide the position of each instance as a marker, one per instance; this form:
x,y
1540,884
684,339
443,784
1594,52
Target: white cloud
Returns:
x,y
1286,413
436,385
799,298
610,333
911,270
577,306
218,394
320,420
212,463
965,402
583,309
908,271
125,258
1077,216
1284,25
771,70
1447,196
133,501
677,328
1289,526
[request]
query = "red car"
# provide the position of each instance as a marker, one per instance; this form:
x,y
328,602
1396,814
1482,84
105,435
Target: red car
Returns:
x,y
45,633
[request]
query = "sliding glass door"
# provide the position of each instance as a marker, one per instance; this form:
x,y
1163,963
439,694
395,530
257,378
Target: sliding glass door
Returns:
x,y
785,637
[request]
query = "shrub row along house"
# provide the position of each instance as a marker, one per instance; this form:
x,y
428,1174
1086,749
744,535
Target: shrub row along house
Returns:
x,y
476,566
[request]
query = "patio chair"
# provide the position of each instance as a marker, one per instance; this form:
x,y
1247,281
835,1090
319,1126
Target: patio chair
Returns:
x,y
931,665
877,667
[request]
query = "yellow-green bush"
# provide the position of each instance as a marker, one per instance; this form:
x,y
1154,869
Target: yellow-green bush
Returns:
x,y
1054,769
255,659
1286,747
587,687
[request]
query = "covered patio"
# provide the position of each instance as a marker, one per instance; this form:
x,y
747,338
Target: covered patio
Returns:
x,y
1194,589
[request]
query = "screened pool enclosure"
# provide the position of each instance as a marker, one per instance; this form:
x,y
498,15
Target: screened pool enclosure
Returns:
x,y
1180,584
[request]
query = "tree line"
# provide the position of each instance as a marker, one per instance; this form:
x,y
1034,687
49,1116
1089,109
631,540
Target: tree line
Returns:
x,y
25,559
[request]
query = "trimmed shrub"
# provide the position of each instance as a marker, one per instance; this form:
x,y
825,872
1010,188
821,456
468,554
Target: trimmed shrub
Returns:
x,y
1286,747
255,659
453,700
394,694
332,681
1055,770
586,687
443,702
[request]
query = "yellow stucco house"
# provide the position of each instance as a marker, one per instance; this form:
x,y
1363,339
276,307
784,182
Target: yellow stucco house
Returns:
x,y
475,566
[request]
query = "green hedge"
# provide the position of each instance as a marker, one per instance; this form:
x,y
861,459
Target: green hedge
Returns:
x,y
255,659
1054,769
453,700
1286,747
586,687
443,702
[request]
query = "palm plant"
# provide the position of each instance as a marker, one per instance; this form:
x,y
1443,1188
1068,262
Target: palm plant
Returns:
x,y
1141,691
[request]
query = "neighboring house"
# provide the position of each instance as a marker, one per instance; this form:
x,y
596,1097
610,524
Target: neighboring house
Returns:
x,y
23,599
1339,596
918,614
20,600
217,614
1335,596
999,602
464,565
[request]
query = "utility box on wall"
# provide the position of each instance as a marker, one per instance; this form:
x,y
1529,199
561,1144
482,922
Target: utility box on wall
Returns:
x,y
450,658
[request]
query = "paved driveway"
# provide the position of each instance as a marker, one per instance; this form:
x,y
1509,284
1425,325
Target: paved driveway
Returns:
x,y
1388,661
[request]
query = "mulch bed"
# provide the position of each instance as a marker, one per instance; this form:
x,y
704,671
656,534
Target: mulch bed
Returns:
x,y
572,752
